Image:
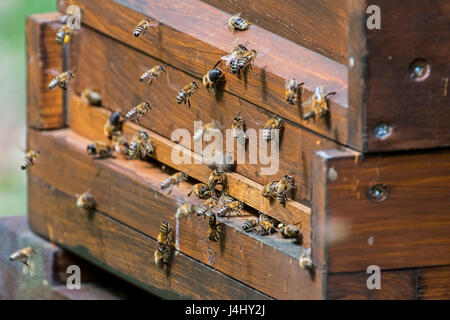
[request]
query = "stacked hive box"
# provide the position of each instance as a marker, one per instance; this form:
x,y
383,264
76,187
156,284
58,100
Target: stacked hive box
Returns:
x,y
356,207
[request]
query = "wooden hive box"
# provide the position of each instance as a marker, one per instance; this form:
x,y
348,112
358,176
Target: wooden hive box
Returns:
x,y
354,207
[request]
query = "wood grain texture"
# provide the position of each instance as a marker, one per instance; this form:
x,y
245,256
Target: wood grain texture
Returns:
x,y
192,36
44,60
88,122
124,251
434,283
410,228
308,23
128,192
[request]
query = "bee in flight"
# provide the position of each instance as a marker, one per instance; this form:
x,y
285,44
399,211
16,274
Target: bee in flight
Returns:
x,y
185,211
30,159
137,112
271,125
93,98
113,125
152,73
250,224
184,95
238,127
214,77
290,232
238,23
206,208
173,180
63,34
100,150
230,207
283,188
140,145
209,127
213,231
62,80
23,255
201,191
120,143
291,91
217,177
142,27
318,103
86,201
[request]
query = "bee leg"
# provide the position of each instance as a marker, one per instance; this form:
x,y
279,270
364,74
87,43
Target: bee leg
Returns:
x,y
189,102
150,80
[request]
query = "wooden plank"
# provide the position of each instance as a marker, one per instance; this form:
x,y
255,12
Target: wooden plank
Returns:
x,y
44,56
192,37
89,122
128,191
417,111
106,68
410,228
124,251
434,283
308,23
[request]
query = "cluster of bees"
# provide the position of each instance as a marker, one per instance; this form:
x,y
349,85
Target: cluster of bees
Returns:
x,y
217,202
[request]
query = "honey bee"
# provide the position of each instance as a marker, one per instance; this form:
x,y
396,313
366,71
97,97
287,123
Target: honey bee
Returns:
x,y
250,224
290,232
305,261
213,231
265,226
99,149
211,126
184,95
238,23
63,34
235,206
113,124
271,125
238,127
216,177
283,187
137,112
86,201
213,77
30,159
164,235
207,207
185,211
23,255
319,104
61,81
142,27
201,191
269,190
152,73
174,179
120,143
291,92
240,59
140,145
93,98
162,255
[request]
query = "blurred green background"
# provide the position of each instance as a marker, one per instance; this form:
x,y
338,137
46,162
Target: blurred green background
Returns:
x,y
13,100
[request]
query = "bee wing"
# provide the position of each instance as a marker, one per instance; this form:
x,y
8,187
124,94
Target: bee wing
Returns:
x,y
153,24
52,72
229,57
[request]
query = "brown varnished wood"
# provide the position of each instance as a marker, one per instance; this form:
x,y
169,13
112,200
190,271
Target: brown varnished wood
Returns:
x,y
410,228
434,283
128,192
192,36
88,122
124,251
308,23
44,62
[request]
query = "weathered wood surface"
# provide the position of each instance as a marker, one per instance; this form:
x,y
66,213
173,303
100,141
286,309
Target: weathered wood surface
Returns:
x,y
116,68
44,62
409,229
308,23
88,122
184,42
417,111
128,192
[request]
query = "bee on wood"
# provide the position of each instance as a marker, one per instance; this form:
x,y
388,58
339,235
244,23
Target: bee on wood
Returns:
x,y
271,125
174,179
23,255
185,211
93,98
213,77
269,190
140,145
201,191
164,235
305,261
207,206
235,206
162,255
291,92
217,177
99,149
113,124
283,187
30,159
250,224
120,143
61,81
142,27
211,126
238,23
291,232
184,95
265,226
318,103
240,58
63,34
238,127
152,73
213,231
86,201
137,112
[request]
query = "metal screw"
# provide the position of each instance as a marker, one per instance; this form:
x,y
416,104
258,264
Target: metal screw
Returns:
x,y
419,69
382,131
378,192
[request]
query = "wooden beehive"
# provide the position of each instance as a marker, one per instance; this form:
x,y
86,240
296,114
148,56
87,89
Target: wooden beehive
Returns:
x,y
318,42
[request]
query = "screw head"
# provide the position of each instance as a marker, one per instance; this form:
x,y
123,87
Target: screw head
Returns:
x,y
419,69
378,192
382,130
